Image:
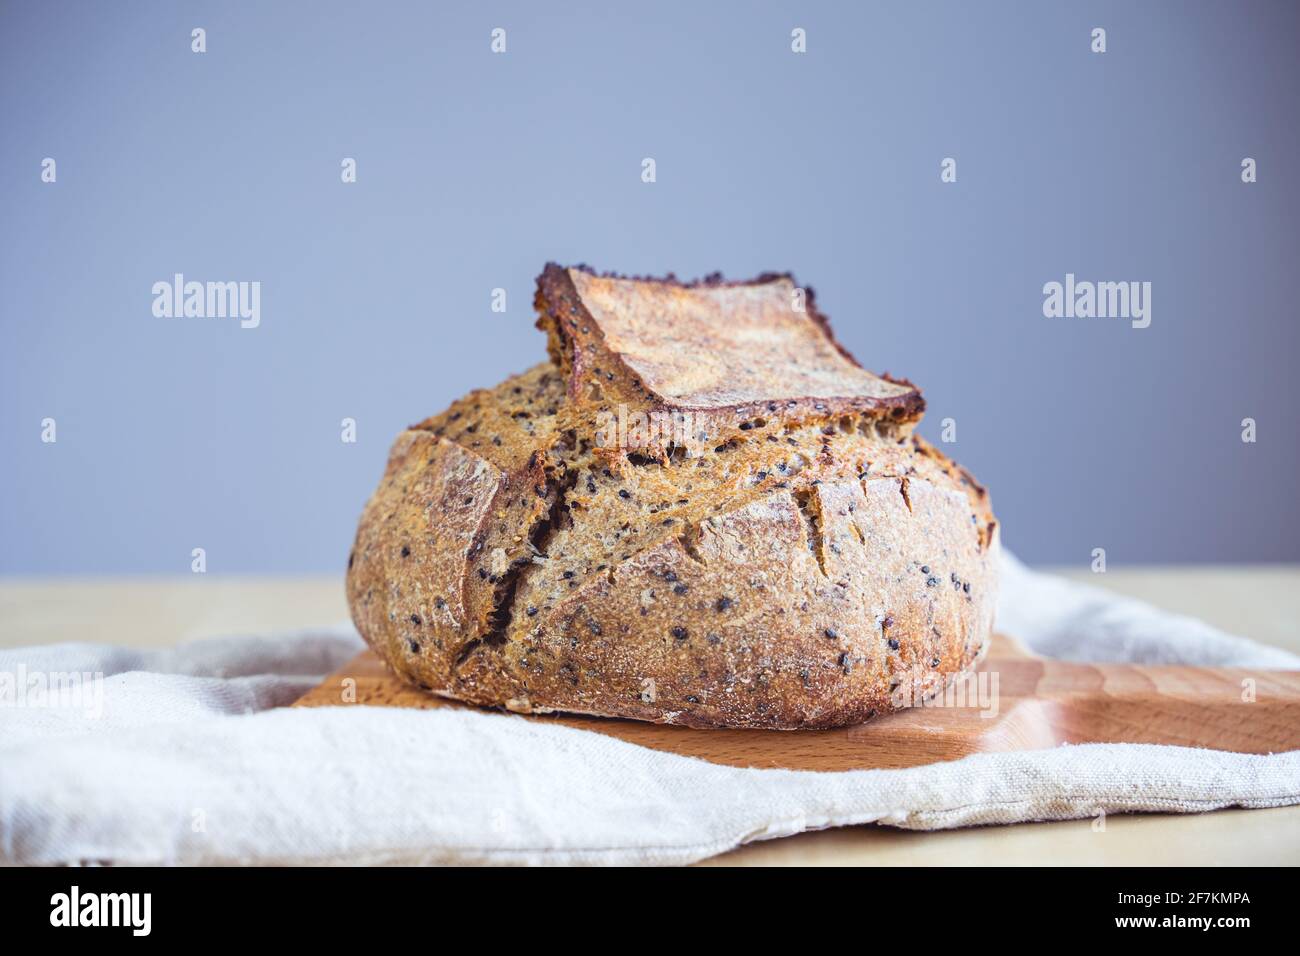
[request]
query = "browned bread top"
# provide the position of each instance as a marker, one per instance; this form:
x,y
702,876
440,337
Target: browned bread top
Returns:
x,y
730,350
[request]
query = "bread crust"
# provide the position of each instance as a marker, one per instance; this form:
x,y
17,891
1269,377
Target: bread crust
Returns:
x,y
814,568
727,352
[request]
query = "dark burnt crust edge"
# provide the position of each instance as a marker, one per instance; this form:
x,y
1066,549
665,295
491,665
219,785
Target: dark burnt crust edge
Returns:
x,y
558,298
713,280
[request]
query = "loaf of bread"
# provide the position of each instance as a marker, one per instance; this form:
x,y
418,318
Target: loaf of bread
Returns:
x,y
701,510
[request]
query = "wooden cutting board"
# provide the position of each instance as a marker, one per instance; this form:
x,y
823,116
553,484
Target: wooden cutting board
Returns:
x,y
1016,702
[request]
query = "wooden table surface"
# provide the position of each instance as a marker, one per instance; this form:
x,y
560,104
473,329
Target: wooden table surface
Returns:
x,y
1259,602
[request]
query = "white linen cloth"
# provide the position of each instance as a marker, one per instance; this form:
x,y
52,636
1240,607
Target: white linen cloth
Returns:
x,y
193,758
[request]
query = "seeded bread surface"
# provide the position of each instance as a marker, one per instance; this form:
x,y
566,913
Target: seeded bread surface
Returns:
x,y
803,561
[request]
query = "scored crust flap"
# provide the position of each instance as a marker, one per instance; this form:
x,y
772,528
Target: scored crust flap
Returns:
x,y
718,355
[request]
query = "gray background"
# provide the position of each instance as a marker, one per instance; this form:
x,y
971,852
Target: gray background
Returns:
x,y
475,169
